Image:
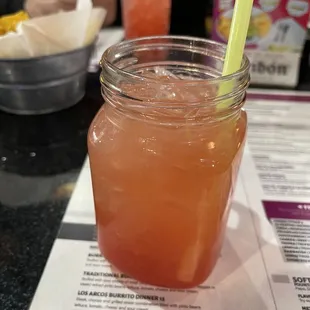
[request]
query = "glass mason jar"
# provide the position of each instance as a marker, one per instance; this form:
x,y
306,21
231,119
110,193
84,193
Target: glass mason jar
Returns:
x,y
164,155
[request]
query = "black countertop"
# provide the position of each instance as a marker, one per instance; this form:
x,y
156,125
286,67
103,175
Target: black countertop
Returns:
x,y
40,160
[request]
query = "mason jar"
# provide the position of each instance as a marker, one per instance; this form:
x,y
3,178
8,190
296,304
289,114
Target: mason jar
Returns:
x,y
164,152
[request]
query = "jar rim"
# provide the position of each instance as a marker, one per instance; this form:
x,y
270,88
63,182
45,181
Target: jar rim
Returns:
x,y
112,50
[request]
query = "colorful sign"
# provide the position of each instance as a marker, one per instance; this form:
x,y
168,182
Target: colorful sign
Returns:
x,y
277,33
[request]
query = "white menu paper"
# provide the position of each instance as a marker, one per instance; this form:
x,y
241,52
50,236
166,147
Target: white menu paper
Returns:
x,y
264,264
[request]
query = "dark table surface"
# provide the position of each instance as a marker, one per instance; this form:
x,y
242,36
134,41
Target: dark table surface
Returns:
x,y
40,160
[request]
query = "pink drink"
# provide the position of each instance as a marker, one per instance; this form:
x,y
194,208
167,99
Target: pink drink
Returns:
x,y
146,17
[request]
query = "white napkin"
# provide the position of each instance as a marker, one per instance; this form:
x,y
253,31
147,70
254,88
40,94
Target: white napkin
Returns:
x,y
55,33
13,45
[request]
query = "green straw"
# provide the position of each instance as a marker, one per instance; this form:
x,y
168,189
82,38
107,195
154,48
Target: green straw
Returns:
x,y
235,46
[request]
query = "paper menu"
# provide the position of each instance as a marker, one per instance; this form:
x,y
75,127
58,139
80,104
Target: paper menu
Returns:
x,y
275,40
255,270
276,176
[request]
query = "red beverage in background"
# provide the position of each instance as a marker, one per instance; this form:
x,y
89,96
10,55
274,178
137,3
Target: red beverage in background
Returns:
x,y
146,17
